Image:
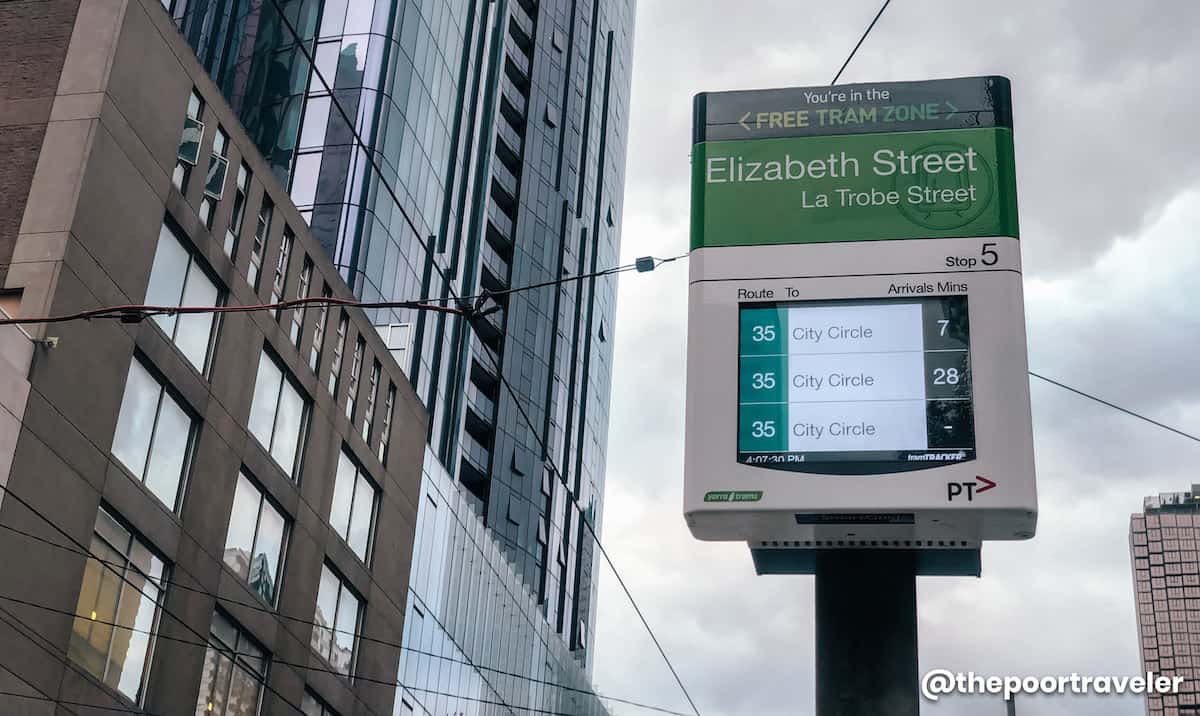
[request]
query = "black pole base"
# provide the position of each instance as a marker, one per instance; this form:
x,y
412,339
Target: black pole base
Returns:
x,y
867,633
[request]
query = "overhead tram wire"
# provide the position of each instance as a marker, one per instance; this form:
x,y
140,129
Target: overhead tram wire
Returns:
x,y
1116,407
303,47
43,695
297,620
162,607
587,523
33,637
860,42
134,313
191,642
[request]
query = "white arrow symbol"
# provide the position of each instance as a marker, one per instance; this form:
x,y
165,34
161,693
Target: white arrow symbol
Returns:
x,y
742,121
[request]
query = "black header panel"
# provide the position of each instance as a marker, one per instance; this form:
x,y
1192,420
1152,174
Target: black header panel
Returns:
x,y
961,103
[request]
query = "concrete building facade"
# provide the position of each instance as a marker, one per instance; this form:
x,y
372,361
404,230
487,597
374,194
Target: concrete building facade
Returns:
x,y
207,514
1163,541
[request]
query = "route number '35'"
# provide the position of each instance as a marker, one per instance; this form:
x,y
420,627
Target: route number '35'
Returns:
x,y
762,334
762,429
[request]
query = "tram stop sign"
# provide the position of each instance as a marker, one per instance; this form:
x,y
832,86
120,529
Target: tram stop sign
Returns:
x,y
857,371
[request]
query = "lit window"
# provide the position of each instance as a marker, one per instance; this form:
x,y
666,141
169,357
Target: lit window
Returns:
x,y
310,705
255,540
189,142
281,268
214,181
314,353
277,414
261,230
235,669
177,279
239,210
353,511
360,347
122,586
385,430
339,347
302,286
372,395
335,622
153,435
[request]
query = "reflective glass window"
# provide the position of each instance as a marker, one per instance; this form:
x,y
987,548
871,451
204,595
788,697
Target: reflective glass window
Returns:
x,y
178,279
239,210
235,669
277,414
112,636
352,513
255,539
153,435
336,621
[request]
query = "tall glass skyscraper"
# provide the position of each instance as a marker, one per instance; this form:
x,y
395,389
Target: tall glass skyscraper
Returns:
x,y
499,127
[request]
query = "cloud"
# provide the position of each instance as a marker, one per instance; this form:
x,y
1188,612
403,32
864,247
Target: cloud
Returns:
x,y
1110,196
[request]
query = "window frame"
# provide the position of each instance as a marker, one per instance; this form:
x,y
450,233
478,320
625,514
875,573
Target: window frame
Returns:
x,y
182,173
385,428
133,537
335,628
303,287
241,195
340,337
194,259
236,661
265,499
293,473
356,364
316,352
165,391
360,476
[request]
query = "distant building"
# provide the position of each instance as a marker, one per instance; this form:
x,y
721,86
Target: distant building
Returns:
x,y
1166,583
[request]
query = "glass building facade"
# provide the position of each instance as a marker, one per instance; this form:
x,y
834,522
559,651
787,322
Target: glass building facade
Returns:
x,y
485,150
1164,542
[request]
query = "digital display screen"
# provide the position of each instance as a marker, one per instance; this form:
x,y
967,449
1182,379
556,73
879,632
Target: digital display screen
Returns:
x,y
855,386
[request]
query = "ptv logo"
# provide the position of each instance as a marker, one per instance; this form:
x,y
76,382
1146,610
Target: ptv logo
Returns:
x,y
955,490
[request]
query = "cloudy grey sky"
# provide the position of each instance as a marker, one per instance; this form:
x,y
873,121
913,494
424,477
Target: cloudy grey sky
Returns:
x,y
1109,187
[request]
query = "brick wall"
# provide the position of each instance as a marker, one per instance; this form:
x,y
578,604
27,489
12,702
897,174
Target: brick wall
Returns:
x,y
36,34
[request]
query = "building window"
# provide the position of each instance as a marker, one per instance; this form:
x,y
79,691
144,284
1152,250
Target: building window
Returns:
x,y
255,541
235,669
178,279
302,286
314,353
311,705
339,347
122,586
353,512
281,268
214,182
277,414
372,396
385,430
261,230
239,210
360,347
153,435
335,621
189,142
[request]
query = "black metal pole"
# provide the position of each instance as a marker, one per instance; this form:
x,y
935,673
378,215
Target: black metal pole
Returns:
x,y
866,633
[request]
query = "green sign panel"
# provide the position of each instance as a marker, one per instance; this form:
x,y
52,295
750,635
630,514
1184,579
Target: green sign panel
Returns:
x,y
804,178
